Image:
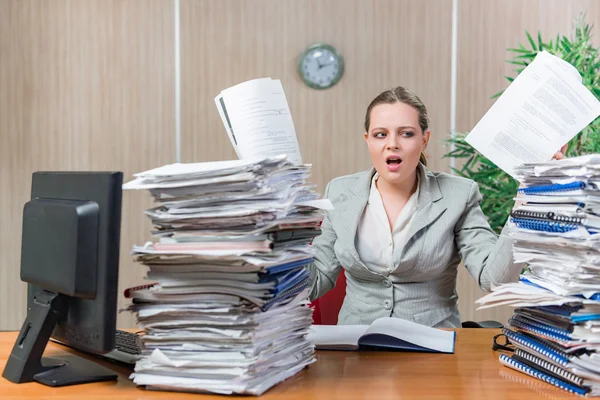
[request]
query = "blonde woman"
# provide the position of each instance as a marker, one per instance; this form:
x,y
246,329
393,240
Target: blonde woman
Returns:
x,y
400,230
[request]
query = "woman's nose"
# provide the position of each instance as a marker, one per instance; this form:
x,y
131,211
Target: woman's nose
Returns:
x,y
392,142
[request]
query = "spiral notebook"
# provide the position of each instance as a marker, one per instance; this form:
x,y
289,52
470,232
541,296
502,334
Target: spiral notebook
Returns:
x,y
529,344
544,225
568,221
557,321
557,334
536,373
547,367
558,189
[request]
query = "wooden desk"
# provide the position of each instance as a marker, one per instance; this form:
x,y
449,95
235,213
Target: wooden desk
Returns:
x,y
473,372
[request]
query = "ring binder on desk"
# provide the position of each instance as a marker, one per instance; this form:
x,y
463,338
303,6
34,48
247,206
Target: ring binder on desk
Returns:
x,y
528,343
547,367
521,367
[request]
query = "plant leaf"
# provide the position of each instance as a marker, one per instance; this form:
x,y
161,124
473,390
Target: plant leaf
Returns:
x,y
533,46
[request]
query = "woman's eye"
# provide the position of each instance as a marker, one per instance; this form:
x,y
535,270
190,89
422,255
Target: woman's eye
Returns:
x,y
408,134
379,134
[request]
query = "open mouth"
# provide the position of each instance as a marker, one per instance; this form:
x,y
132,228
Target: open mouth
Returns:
x,y
393,160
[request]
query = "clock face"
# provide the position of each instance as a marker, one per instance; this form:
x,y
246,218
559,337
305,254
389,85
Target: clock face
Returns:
x,y
321,66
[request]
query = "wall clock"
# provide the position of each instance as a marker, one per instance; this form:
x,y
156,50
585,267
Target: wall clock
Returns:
x,y
320,66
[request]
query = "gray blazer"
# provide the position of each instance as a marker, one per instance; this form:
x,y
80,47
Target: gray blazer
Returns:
x,y
447,227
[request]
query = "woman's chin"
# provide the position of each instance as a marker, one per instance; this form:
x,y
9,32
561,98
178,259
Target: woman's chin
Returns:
x,y
392,176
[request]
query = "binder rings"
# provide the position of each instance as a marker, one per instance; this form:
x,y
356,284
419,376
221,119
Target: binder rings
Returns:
x,y
546,318
520,321
549,344
547,216
547,367
526,369
286,294
556,188
582,219
543,225
539,333
528,343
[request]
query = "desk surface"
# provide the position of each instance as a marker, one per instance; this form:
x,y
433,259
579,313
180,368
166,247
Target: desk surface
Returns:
x,y
473,372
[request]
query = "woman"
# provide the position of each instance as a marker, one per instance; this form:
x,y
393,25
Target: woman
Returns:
x,y
400,230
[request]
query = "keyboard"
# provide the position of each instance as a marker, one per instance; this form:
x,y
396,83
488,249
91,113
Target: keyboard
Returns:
x,y
128,348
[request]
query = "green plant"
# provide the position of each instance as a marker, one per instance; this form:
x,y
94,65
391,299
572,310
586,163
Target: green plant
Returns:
x,y
497,187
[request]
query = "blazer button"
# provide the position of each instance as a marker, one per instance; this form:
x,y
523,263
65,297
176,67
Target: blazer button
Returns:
x,y
387,283
387,304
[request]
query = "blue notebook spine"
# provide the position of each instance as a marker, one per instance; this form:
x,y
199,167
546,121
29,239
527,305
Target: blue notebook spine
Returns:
x,y
554,188
543,225
585,317
286,267
519,366
565,309
292,280
282,296
536,347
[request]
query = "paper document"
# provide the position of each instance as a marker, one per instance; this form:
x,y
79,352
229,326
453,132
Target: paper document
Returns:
x,y
258,121
544,108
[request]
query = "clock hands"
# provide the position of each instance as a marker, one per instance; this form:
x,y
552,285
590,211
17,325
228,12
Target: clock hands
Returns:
x,y
322,65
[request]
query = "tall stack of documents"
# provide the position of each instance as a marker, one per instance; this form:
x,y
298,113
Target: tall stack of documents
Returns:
x,y
556,230
228,311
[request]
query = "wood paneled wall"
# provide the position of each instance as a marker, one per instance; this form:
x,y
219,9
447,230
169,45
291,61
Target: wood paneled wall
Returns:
x,y
89,85
84,85
385,43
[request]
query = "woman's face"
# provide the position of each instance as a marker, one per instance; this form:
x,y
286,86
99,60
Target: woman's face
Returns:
x,y
395,141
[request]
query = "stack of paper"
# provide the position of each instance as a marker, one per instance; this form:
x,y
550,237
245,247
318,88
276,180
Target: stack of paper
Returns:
x,y
556,231
228,312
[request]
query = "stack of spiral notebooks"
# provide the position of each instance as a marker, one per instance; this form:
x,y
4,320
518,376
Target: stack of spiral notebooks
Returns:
x,y
555,328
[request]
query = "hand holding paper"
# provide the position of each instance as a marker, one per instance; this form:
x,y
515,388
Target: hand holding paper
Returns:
x,y
544,108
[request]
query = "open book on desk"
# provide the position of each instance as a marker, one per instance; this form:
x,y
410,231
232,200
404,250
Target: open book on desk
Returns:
x,y
384,333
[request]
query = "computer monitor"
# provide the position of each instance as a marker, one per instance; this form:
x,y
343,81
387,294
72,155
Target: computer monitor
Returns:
x,y
70,259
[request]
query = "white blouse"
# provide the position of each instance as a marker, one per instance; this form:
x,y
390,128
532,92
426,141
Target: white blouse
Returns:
x,y
375,242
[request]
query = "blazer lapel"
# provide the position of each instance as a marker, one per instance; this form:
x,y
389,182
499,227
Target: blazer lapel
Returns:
x,y
429,206
351,213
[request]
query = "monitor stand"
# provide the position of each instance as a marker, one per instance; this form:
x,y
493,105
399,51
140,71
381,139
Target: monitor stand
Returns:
x,y
26,364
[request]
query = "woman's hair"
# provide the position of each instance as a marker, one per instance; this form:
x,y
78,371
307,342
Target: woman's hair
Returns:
x,y
401,95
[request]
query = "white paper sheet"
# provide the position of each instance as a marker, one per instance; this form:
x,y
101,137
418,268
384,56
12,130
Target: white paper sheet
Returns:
x,y
539,112
258,121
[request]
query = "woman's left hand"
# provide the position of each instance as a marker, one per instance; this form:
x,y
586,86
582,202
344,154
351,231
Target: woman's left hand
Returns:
x,y
561,154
